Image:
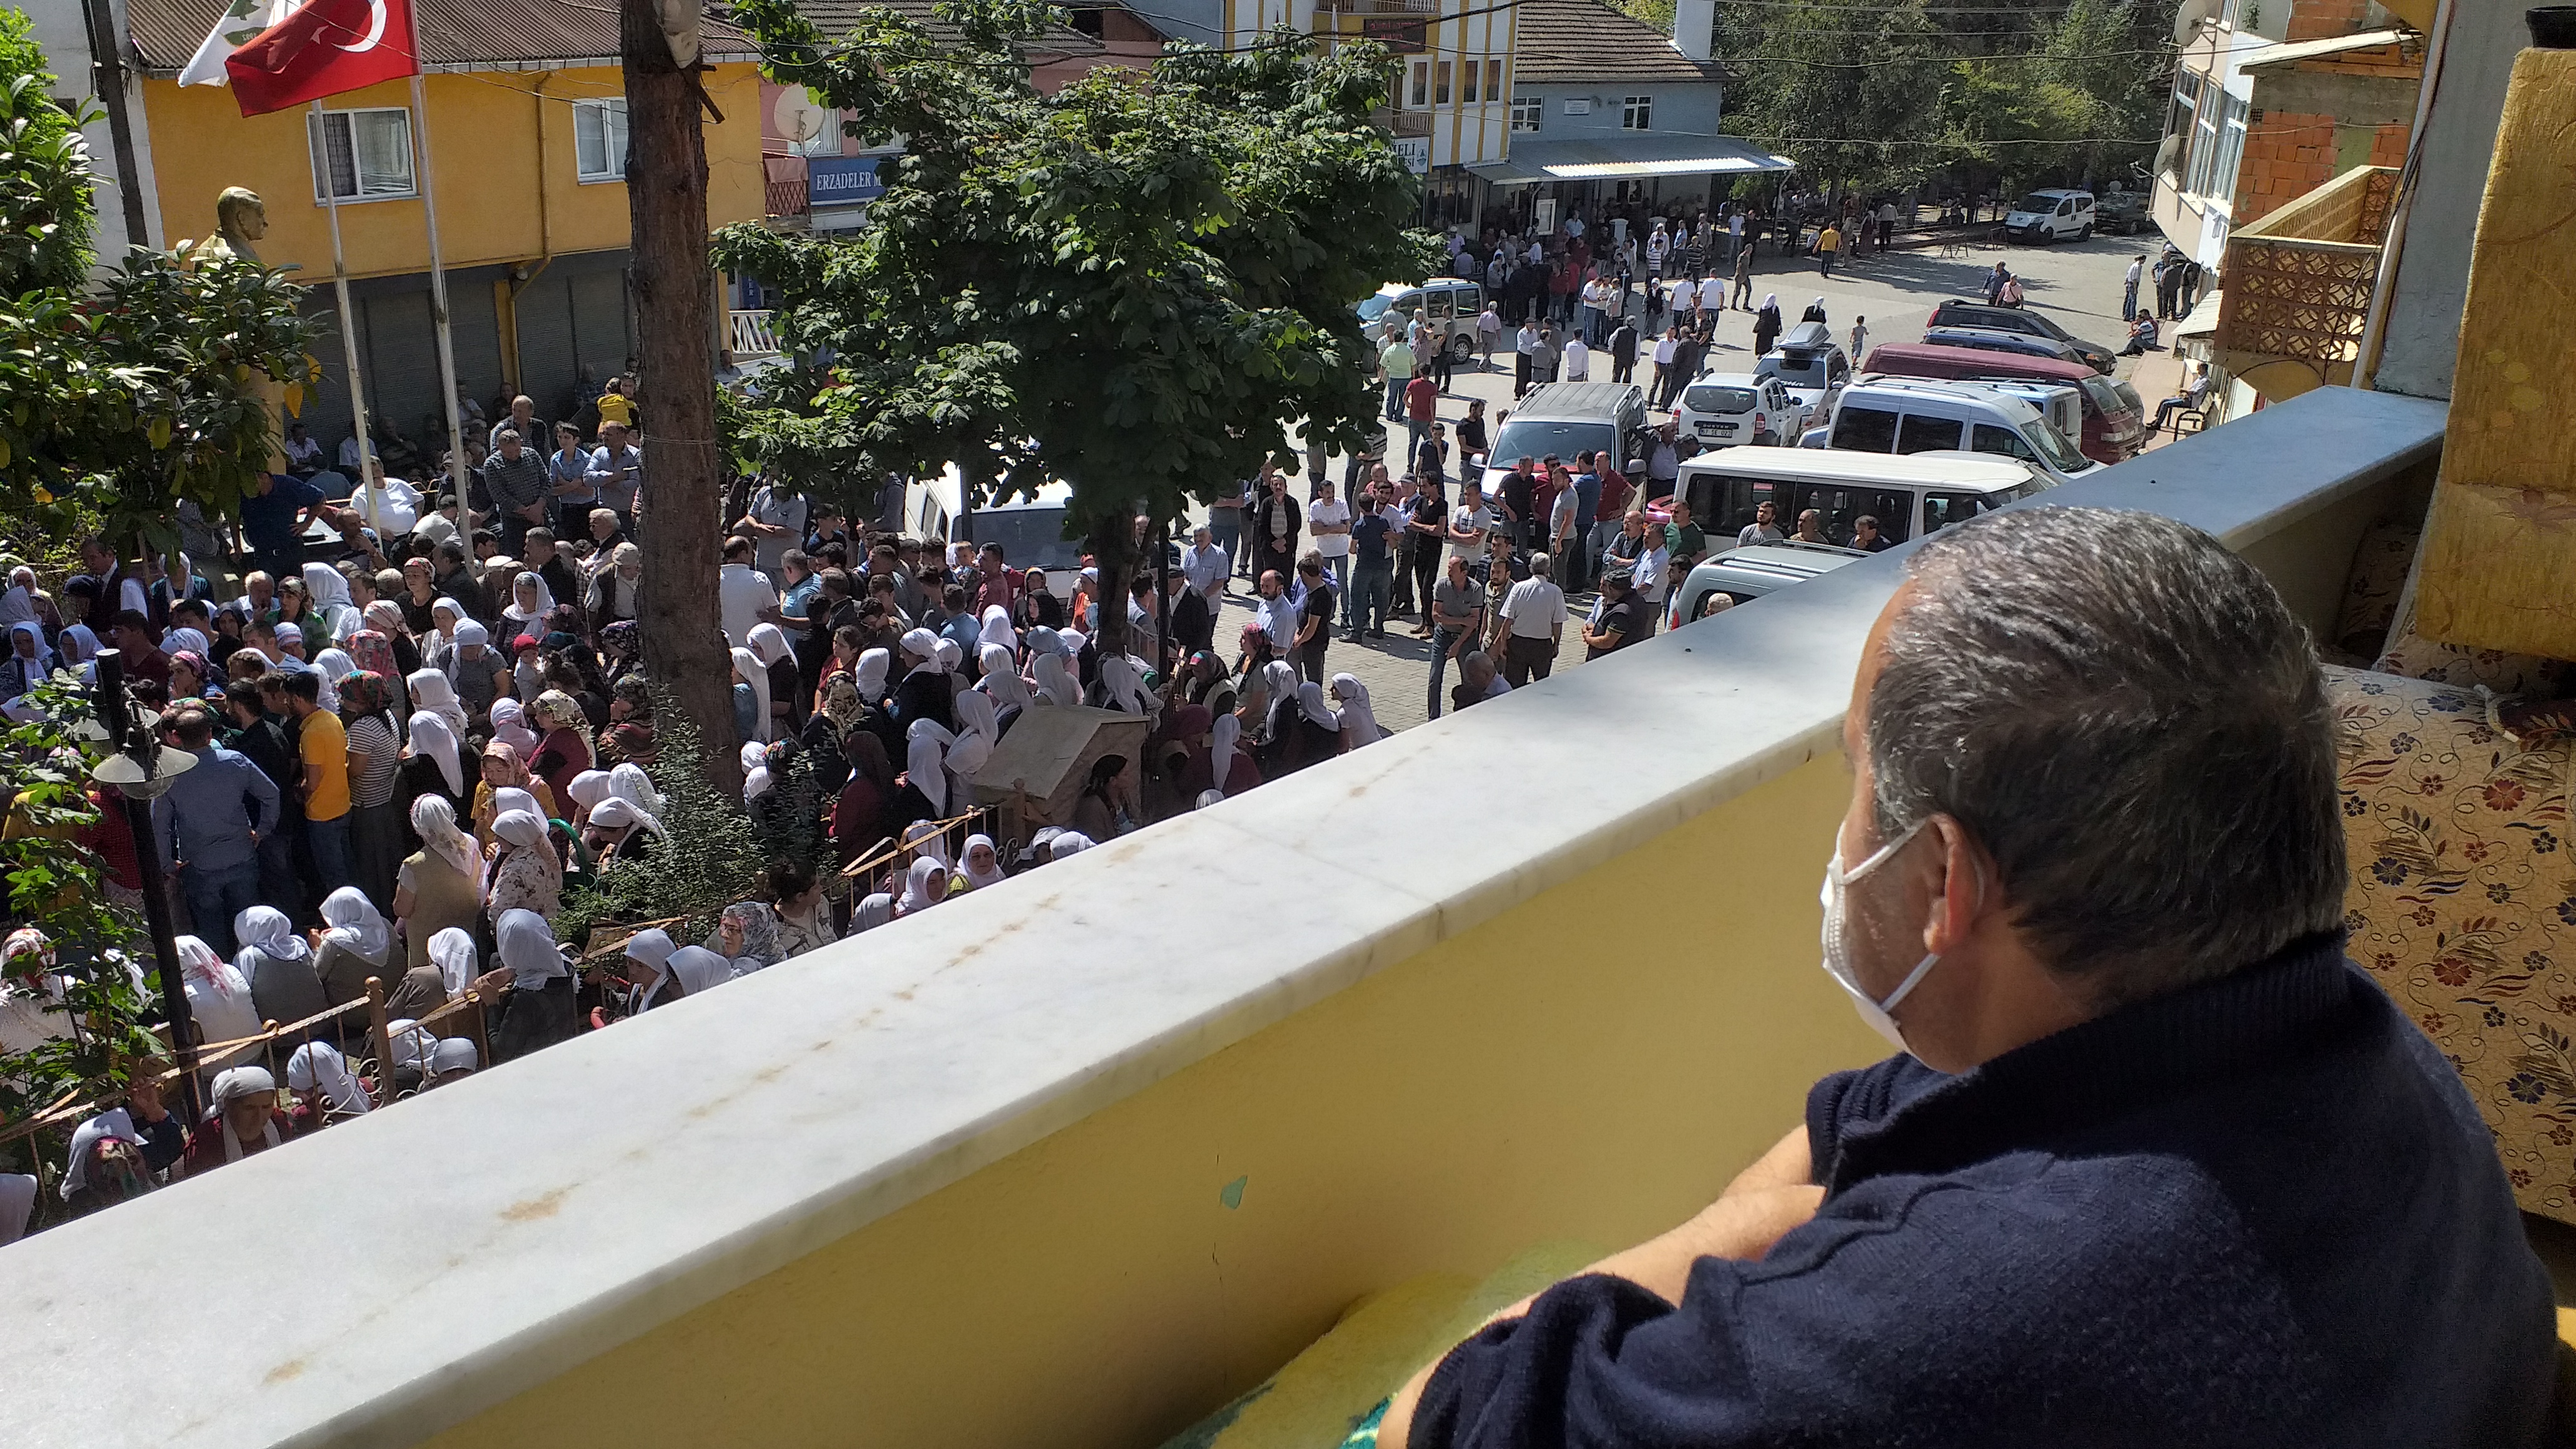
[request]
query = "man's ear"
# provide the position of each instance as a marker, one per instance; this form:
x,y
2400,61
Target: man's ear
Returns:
x,y
1958,894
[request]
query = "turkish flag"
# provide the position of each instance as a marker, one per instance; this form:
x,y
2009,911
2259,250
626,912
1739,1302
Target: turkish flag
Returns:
x,y
324,48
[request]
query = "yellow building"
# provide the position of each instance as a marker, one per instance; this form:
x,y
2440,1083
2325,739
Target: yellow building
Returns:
x,y
527,129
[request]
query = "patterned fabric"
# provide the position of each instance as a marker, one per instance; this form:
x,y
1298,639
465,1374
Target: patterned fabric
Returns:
x,y
2412,655
2463,905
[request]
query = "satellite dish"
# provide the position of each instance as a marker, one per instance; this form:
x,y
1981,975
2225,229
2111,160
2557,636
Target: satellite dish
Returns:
x,y
2188,18
799,119
2169,157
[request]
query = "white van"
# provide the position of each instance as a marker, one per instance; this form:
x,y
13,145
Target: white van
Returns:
x,y
1448,304
1567,419
2061,404
2045,216
1920,415
1908,496
1031,533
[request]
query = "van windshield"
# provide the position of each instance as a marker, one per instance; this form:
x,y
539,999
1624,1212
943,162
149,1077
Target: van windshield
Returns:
x,y
2062,455
1536,438
1375,307
1030,537
2106,398
1714,398
2039,202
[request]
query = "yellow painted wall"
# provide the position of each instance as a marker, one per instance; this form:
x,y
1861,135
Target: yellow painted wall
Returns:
x,y
483,132
1591,1064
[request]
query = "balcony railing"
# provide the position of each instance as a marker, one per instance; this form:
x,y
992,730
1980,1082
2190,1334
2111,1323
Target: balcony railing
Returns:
x,y
1379,7
750,336
2298,284
1178,1102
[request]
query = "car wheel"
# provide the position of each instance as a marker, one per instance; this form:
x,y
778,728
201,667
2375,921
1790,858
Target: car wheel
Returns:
x,y
1461,347
2086,234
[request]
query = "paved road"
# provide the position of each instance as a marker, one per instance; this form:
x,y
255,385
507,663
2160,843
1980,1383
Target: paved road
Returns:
x,y
2078,283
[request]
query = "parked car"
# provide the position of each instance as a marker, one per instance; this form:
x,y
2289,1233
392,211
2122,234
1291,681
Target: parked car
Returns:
x,y
1725,409
1567,418
2123,212
1958,313
1746,574
2046,216
1449,304
1909,496
1912,415
2113,427
1031,533
2024,344
1810,363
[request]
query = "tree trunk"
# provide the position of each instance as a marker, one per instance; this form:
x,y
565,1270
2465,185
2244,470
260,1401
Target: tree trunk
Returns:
x,y
1113,548
666,188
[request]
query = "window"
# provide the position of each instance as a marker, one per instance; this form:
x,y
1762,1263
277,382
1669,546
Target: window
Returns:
x,y
368,154
1440,83
2231,149
1468,74
1865,430
599,139
2204,144
1526,113
1637,114
1493,80
1421,84
2186,106
1922,434
1992,439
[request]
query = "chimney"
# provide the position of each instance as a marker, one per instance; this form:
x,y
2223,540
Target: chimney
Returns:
x,y
1694,27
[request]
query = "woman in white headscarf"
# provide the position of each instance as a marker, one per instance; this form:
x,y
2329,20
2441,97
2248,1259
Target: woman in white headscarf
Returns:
x,y
453,1058
439,890
77,646
586,791
1359,722
1054,680
333,665
629,783
435,693
278,966
537,1002
219,1002
411,1047
647,970
978,730
924,886
319,1068
509,727
330,603
756,778
1314,731
433,739
948,654
778,661
981,864
106,1166
997,630
458,961
699,970
1122,686
923,693
357,945
750,697
241,1118
1069,843
870,676
445,614
527,877
747,935
873,911
29,663
1003,685
1278,704
617,831
530,600
924,795
1230,767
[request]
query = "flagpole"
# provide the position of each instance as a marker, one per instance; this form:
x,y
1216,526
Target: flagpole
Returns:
x,y
438,272
369,476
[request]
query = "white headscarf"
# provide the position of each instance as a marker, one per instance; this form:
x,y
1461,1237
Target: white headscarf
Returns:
x,y
452,952
218,994
431,737
545,598
991,875
42,662
1122,685
522,828
446,616
184,638
264,931
454,1057
755,674
699,970
1310,702
997,629
513,797
916,886
875,911
769,644
1002,681
756,778
318,1064
977,729
329,593
78,645
587,789
947,654
925,759
1357,717
1055,682
433,819
1210,797
434,693
616,814
115,1122
1222,736
870,675
923,645
508,729
629,783
1279,682
1069,843
242,1082
527,947
355,922
1043,640
654,949
410,1043
333,665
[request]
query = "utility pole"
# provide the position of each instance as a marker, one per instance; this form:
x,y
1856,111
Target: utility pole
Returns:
x,y
666,191
107,78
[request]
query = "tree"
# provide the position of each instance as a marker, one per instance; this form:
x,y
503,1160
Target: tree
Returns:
x,y
1130,286
707,859
117,401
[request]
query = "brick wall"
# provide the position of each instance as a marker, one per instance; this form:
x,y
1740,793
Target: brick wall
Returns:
x,y
2289,155
2321,19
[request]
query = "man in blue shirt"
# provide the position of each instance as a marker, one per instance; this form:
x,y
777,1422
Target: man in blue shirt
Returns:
x,y
1583,565
273,521
2155,1165
208,826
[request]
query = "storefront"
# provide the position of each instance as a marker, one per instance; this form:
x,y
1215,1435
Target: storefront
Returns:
x,y
1544,181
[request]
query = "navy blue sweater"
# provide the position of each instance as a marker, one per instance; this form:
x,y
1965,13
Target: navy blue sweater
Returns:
x,y
2258,1212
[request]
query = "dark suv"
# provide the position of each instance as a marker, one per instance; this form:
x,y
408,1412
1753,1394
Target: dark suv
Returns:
x,y
1960,313
2124,212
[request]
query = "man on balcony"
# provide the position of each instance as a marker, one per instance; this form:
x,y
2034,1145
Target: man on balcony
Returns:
x,y
2154,1165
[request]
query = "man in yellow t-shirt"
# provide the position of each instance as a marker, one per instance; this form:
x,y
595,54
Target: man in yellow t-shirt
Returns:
x,y
324,747
1828,242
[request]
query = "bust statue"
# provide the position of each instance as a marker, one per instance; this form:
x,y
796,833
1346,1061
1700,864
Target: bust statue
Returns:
x,y
240,219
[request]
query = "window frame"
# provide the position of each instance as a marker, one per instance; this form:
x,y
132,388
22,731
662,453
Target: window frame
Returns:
x,y
1417,87
1529,114
1637,113
604,106
1443,74
318,159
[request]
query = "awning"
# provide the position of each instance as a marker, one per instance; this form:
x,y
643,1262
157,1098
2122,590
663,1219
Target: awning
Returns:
x,y
1619,158
2193,336
2299,50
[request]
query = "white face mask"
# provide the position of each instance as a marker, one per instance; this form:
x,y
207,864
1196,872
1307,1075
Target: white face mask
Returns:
x,y
1837,960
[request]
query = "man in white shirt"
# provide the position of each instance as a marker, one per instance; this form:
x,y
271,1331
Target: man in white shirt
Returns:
x,y
1652,578
774,521
742,592
1534,623
1667,348
1765,527
1489,331
1527,343
1469,522
1328,522
1207,567
1685,296
1578,359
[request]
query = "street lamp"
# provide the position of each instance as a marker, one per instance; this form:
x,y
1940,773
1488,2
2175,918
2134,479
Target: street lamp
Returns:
x,y
142,769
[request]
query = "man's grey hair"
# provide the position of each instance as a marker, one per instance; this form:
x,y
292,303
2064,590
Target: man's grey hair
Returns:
x,y
1539,565
2131,721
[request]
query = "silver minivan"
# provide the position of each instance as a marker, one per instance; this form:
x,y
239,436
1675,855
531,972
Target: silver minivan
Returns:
x,y
1570,418
1919,415
1448,304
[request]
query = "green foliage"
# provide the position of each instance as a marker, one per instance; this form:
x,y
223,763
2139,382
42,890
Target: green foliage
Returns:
x,y
119,401
1130,286
709,860
53,885
787,819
